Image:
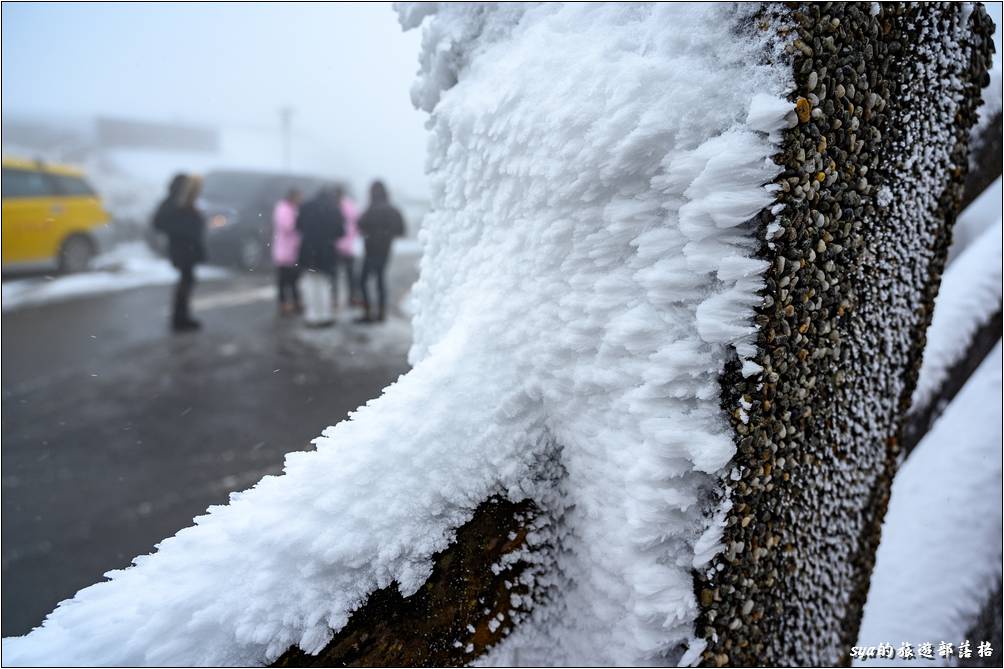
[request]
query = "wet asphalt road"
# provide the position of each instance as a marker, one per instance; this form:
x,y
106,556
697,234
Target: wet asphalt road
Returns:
x,y
117,433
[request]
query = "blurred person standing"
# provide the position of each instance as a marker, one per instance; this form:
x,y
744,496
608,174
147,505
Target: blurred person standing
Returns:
x,y
379,225
349,247
179,219
286,250
320,224
175,191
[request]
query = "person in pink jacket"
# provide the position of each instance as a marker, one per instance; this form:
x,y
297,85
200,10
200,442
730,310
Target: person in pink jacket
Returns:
x,y
349,247
286,250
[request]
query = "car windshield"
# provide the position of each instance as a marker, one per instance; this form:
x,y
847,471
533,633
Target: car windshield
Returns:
x,y
234,187
241,189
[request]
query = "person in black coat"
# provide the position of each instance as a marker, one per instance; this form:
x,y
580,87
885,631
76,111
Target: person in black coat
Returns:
x,y
175,191
379,225
179,219
320,224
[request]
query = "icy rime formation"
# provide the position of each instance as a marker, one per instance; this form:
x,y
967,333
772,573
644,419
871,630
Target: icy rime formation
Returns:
x,y
872,180
608,258
461,609
593,263
587,273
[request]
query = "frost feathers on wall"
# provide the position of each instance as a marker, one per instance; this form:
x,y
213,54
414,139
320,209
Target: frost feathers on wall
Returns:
x,y
594,175
872,180
587,273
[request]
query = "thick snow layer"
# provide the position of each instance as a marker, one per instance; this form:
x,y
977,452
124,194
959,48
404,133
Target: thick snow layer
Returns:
x,y
940,555
970,294
129,265
586,274
607,263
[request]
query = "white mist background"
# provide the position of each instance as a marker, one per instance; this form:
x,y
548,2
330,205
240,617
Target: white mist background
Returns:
x,y
345,69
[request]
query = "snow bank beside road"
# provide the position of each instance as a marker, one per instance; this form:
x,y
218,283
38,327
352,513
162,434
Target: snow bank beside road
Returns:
x,y
130,265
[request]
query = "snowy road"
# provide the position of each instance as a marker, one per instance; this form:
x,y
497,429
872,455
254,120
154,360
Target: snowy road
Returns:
x,y
116,433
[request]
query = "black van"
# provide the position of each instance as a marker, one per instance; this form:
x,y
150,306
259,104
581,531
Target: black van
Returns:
x,y
238,208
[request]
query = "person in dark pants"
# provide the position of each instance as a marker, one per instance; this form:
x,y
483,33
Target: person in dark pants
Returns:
x,y
286,250
350,247
184,225
320,224
379,225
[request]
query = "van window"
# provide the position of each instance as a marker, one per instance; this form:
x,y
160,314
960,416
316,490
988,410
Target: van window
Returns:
x,y
24,183
234,189
67,185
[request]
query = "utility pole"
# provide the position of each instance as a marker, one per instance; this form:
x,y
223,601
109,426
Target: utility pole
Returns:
x,y
285,126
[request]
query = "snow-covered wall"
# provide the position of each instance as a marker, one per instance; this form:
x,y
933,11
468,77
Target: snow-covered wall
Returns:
x,y
587,273
595,169
872,180
621,193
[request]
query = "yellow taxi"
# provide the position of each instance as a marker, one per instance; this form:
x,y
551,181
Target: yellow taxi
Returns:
x,y
51,216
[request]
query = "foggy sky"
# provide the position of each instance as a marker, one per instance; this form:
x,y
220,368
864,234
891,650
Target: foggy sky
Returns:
x,y
345,68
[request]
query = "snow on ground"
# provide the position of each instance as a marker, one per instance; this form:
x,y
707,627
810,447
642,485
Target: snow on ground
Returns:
x,y
940,555
129,265
586,273
354,346
407,246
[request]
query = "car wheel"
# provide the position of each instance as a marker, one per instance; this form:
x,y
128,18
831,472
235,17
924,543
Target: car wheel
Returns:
x,y
75,254
252,254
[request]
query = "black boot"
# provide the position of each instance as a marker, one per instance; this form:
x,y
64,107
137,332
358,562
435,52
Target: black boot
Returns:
x,y
186,325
